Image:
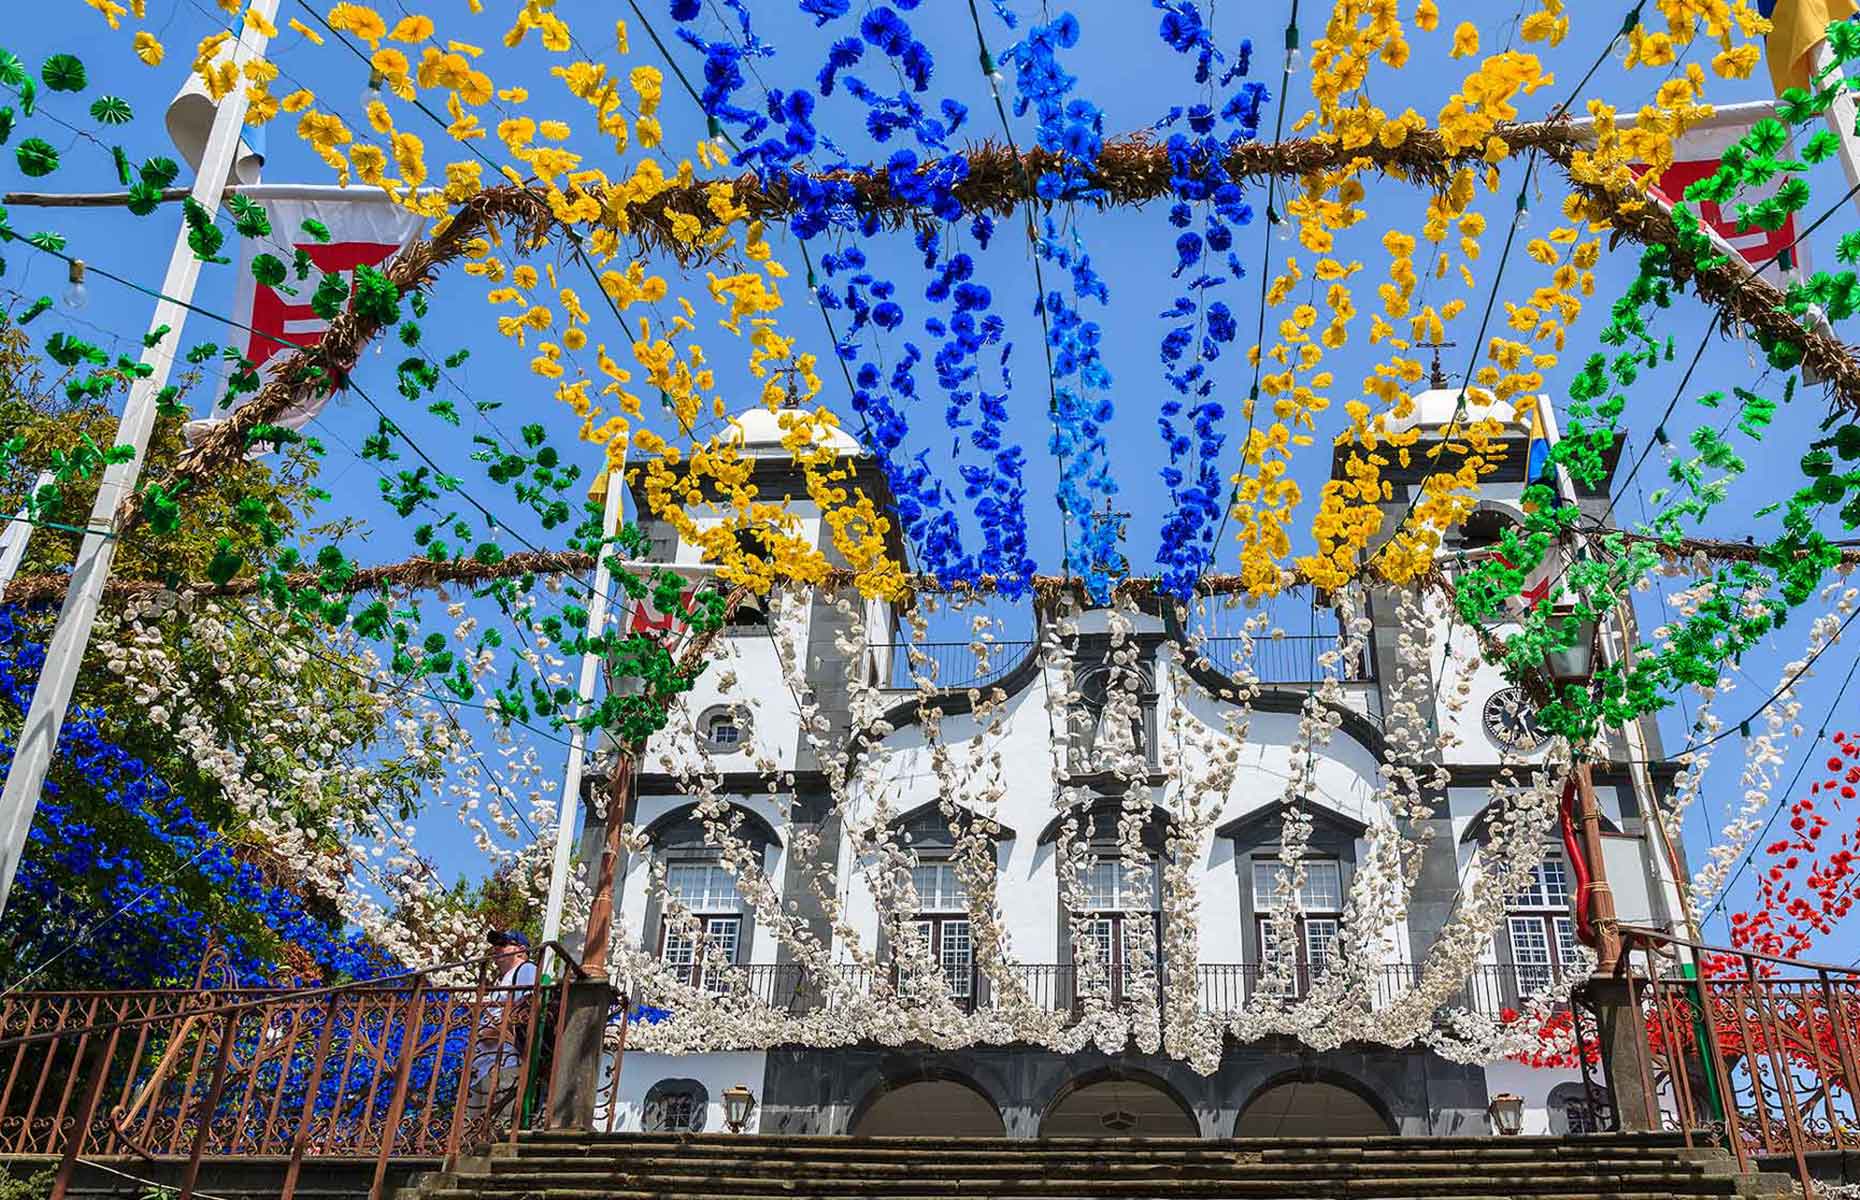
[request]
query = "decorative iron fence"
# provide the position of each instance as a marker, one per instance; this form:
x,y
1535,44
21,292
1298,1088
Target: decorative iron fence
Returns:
x,y
1729,1047
413,1066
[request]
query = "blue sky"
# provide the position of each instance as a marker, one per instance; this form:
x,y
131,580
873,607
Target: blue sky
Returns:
x,y
1126,69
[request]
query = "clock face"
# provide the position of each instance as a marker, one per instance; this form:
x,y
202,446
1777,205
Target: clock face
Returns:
x,y
1511,721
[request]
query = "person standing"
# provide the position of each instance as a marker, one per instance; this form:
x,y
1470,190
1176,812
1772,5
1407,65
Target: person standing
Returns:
x,y
497,1055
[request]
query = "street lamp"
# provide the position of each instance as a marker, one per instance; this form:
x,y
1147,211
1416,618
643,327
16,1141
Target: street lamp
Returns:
x,y
738,1103
1574,664
1507,1113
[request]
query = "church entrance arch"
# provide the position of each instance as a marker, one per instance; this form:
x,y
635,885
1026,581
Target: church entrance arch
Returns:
x,y
928,1108
1300,1107
1119,1106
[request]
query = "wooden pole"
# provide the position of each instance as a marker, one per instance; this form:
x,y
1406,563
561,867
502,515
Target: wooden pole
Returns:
x,y
1603,921
601,911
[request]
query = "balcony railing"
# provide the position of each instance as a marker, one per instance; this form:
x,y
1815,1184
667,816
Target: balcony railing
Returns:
x,y
1290,660
1220,988
951,666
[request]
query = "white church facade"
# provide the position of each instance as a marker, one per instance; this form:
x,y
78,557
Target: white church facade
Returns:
x,y
1047,792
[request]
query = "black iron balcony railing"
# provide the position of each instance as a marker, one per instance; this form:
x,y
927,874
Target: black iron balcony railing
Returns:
x,y
951,666
1288,661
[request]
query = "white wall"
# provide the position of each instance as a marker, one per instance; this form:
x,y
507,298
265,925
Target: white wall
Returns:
x,y
639,1071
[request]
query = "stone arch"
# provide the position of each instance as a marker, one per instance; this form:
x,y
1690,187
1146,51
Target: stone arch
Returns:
x,y
933,1104
1313,1104
1119,1103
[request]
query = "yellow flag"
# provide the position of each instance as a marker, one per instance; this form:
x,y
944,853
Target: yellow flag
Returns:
x,y
1795,28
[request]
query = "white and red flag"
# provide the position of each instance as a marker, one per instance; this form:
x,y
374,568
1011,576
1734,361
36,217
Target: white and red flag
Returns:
x,y
1696,156
365,230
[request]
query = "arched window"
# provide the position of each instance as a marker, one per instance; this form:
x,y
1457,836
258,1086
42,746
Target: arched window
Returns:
x,y
724,729
675,1106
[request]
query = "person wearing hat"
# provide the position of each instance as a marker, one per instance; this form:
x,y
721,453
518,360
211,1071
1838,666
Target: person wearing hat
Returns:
x,y
497,1059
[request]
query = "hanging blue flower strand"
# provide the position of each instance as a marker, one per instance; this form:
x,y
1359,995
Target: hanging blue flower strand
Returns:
x,y
1205,195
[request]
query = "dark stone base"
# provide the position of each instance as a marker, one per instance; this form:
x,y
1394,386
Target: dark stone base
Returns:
x,y
257,1178
1418,1092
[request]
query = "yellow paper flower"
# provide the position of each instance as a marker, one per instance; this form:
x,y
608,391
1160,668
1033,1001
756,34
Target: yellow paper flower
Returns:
x,y
110,9
415,28
304,31
147,48
1465,40
360,20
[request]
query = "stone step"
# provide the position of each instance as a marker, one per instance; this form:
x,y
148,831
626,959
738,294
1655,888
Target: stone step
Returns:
x,y
1102,1184
1215,1166
1579,1144
1284,1193
847,1150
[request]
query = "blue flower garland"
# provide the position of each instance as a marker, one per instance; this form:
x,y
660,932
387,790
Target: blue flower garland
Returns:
x,y
1072,129
88,857
1207,195
995,486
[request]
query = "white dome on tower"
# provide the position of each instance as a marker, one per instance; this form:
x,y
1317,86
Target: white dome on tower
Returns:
x,y
759,432
1437,406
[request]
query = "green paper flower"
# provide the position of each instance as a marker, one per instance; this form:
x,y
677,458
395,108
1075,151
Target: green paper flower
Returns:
x,y
159,172
64,73
6,124
111,110
47,240
12,70
268,269
249,218
36,157
144,198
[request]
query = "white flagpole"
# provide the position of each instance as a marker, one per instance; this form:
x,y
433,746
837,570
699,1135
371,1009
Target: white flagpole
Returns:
x,y
18,534
1841,113
65,652
568,809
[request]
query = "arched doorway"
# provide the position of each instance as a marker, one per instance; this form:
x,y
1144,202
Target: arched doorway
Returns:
x,y
1120,1106
928,1108
1310,1108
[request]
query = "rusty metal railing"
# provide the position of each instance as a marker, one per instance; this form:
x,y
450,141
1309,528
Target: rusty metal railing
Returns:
x,y
1737,1049
423,1064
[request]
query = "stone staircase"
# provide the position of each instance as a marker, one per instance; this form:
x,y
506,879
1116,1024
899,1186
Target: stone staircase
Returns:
x,y
580,1166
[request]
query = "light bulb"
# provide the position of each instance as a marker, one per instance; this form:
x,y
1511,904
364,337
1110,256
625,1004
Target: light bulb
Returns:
x,y
1294,60
76,294
1524,216
372,91
1283,231
1620,46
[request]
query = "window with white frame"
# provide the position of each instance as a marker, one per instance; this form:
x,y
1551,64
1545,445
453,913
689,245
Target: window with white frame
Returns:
x,y
708,892
942,921
723,729
1539,927
1121,913
1320,914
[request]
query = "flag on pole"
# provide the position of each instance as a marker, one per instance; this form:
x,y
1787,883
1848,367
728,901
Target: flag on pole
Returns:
x,y
1537,445
1795,27
1697,154
365,230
